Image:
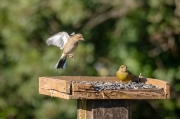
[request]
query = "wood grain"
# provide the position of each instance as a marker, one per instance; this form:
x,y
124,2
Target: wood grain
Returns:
x,y
104,109
54,84
122,94
60,86
104,104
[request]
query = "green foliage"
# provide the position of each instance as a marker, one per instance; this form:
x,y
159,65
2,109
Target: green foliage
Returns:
x,y
144,35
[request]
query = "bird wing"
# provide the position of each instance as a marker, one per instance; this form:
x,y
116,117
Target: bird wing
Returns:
x,y
59,39
131,75
73,33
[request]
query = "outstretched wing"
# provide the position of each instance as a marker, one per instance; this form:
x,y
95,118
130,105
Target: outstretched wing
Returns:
x,y
73,33
58,40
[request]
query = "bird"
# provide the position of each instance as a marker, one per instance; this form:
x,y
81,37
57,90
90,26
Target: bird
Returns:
x,y
66,43
124,75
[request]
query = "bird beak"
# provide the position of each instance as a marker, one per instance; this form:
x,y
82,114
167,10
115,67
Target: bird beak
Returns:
x,y
124,69
82,39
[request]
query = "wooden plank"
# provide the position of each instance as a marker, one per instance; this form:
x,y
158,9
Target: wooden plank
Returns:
x,y
82,87
167,90
55,93
82,110
121,94
87,91
156,82
77,87
104,79
104,109
87,78
62,85
50,83
160,83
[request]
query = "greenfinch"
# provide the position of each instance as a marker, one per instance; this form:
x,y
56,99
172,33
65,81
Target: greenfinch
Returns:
x,y
123,74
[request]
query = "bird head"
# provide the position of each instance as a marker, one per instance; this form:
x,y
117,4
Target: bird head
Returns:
x,y
79,37
123,68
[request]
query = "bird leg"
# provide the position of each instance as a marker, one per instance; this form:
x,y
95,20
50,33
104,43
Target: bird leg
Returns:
x,y
71,56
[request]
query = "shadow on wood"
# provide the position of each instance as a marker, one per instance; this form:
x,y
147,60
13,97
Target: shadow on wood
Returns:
x,y
104,109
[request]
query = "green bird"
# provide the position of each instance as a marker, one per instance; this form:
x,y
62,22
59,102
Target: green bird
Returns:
x,y
124,75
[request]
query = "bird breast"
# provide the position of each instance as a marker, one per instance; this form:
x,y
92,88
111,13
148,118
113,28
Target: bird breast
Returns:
x,y
122,75
70,47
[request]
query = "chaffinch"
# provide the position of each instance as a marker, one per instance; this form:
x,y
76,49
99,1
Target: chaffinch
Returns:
x,y
66,43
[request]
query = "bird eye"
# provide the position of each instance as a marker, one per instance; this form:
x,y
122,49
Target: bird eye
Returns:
x,y
79,36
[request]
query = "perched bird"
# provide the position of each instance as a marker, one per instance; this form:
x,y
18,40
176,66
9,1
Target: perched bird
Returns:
x,y
124,75
66,43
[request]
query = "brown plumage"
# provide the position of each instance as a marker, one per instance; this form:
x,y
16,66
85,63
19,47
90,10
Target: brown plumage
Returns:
x,y
67,43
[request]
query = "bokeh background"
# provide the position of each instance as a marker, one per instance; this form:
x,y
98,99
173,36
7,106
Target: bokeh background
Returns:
x,y
142,34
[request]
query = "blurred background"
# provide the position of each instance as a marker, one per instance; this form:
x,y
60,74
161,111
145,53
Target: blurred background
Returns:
x,y
144,35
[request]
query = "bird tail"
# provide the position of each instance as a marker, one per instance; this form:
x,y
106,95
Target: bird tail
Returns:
x,y
61,63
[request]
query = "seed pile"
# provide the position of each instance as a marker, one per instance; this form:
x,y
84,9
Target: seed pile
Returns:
x,y
98,86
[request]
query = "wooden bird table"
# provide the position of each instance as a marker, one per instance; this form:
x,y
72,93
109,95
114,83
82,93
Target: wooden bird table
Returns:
x,y
102,104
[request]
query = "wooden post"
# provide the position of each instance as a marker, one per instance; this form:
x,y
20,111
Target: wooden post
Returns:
x,y
103,109
104,104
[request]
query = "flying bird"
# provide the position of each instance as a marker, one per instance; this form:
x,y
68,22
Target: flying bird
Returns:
x,y
66,43
124,75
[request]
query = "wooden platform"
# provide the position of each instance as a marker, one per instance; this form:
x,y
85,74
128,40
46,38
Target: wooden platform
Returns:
x,y
66,87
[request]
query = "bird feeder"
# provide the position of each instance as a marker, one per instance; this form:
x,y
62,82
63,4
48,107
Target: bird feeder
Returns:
x,y
101,104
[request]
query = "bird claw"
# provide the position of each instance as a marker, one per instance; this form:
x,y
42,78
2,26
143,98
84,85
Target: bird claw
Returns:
x,y
71,56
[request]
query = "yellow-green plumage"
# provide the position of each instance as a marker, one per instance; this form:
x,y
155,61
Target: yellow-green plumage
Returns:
x,y
123,74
